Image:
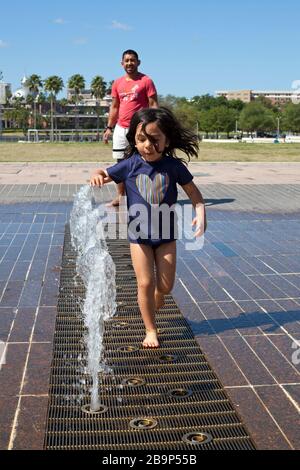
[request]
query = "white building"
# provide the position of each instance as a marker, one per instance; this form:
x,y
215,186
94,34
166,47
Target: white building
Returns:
x,y
275,96
87,98
23,92
4,92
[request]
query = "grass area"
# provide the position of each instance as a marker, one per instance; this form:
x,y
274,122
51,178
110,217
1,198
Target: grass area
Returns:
x,y
64,152
243,152
97,152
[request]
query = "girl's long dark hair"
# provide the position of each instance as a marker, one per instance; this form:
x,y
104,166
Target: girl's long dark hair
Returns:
x,y
179,138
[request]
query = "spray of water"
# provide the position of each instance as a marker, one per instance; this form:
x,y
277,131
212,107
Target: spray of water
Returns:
x,y
97,270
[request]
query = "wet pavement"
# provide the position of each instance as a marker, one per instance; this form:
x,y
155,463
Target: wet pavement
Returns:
x,y
236,197
30,249
240,294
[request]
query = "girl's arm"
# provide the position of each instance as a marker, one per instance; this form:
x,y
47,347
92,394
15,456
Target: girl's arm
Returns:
x,y
197,200
99,178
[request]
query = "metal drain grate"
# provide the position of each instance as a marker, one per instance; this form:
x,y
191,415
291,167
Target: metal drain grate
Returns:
x,y
164,399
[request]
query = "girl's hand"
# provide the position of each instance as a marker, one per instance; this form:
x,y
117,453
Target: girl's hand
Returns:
x,y
99,178
200,220
197,200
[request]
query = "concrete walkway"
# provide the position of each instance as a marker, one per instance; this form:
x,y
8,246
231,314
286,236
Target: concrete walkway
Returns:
x,y
205,173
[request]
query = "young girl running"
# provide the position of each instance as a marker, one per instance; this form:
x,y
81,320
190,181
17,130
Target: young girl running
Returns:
x,y
150,172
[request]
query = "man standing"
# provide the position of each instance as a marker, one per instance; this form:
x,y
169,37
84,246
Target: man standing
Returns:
x,y
130,93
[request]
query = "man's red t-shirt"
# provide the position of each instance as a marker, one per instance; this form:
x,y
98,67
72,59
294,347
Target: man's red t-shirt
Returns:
x,y
133,96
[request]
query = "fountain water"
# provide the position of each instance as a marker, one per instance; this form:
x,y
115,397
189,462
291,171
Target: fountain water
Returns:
x,y
97,270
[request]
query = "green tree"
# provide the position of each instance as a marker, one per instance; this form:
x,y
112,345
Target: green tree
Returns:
x,y
218,119
221,101
41,99
204,102
19,117
168,101
53,85
77,84
18,102
206,121
34,84
30,100
187,114
63,102
226,118
267,103
256,117
109,87
291,118
236,104
98,87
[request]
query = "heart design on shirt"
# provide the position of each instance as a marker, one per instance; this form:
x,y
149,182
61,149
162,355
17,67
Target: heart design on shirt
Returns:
x,y
153,191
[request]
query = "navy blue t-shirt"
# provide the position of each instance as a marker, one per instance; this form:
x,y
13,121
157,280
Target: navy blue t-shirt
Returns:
x,y
151,190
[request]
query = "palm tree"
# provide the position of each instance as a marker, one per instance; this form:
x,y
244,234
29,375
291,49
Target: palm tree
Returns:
x,y
63,102
109,87
77,84
40,100
98,87
29,102
53,85
34,83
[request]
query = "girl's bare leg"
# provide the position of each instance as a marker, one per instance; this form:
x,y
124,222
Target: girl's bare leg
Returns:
x,y
120,192
143,263
165,261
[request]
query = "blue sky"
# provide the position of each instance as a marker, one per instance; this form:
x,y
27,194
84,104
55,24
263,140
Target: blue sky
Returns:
x,y
188,47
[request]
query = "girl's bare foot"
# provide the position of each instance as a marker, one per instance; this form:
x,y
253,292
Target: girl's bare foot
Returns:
x,y
151,340
159,300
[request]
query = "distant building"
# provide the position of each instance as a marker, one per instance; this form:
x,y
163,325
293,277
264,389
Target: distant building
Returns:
x,y
24,91
87,99
5,92
243,95
276,97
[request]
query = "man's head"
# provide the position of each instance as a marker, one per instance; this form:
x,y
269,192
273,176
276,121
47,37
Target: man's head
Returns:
x,y
130,62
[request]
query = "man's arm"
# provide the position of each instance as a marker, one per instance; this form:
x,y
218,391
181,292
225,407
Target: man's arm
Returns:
x,y
153,101
112,118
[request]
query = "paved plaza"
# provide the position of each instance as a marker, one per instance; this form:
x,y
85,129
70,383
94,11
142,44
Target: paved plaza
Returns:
x,y
240,293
